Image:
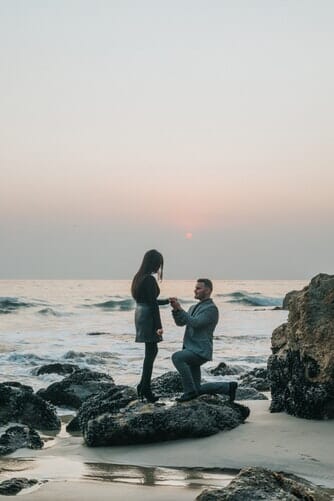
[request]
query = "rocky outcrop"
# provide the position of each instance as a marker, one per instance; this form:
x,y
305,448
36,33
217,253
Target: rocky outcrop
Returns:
x,y
15,485
73,390
16,437
19,404
110,401
287,299
258,484
142,423
301,368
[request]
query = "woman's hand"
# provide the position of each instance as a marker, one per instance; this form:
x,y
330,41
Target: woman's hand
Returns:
x,y
160,332
174,302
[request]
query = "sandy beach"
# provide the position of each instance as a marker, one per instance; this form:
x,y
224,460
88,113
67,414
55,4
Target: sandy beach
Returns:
x,y
172,469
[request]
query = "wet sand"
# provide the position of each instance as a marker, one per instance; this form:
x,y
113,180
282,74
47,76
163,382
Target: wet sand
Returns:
x,y
276,441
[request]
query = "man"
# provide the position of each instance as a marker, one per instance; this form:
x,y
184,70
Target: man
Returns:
x,y
200,322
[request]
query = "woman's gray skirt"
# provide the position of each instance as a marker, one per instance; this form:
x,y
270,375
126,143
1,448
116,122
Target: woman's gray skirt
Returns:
x,y
145,330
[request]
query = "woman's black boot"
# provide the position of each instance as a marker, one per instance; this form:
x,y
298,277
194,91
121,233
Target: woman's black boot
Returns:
x,y
139,391
150,397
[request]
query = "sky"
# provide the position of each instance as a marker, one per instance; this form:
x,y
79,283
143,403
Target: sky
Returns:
x,y
203,129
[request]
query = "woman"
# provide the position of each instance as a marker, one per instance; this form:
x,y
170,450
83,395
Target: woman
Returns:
x,y
145,291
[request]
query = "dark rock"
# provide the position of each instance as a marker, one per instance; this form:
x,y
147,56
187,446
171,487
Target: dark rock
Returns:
x,y
56,368
287,299
73,390
143,423
16,437
260,484
278,339
223,369
168,384
15,485
257,379
245,393
109,401
301,368
243,410
19,404
74,425
298,397
98,333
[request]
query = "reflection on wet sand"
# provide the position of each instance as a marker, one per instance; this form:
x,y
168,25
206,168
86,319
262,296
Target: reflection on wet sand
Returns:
x,y
61,468
150,476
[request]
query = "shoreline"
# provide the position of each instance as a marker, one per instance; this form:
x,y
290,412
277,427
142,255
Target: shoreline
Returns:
x,y
276,441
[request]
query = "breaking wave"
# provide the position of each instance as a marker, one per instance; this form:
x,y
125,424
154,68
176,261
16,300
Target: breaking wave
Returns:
x,y
12,304
87,358
26,358
252,299
114,304
50,312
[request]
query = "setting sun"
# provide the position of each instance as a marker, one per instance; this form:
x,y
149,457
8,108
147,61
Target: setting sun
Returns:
x,y
188,235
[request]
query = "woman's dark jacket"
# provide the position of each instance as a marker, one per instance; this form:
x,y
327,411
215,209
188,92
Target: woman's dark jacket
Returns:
x,y
147,315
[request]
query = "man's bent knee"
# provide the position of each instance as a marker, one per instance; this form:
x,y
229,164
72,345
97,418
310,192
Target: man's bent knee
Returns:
x,y
176,357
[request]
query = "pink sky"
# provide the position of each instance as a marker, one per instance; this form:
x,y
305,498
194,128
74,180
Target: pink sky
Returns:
x,y
124,128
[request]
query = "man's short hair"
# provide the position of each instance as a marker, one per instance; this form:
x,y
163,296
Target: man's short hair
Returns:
x,y
207,282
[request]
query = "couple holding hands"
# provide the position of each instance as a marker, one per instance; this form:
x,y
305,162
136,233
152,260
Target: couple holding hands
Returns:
x,y
200,322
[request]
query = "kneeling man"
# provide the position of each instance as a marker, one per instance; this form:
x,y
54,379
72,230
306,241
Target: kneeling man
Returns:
x,y
200,322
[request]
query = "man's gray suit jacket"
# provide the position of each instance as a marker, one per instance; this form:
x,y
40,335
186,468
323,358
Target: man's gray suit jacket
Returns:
x,y
200,322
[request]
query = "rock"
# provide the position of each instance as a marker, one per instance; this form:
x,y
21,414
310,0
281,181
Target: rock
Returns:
x,y
15,485
142,423
98,333
278,338
223,369
245,393
301,368
111,401
16,437
19,404
257,379
73,390
168,384
287,298
260,484
56,368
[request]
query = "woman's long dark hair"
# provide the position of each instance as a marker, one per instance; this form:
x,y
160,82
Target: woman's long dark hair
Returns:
x,y
153,262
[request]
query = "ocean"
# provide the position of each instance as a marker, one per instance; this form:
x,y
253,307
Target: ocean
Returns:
x,y
91,323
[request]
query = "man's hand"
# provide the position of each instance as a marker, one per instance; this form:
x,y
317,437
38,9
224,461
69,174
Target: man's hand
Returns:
x,y
175,303
160,332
